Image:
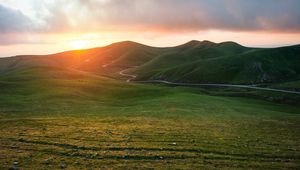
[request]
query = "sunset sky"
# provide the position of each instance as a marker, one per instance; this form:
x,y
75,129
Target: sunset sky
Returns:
x,y
49,26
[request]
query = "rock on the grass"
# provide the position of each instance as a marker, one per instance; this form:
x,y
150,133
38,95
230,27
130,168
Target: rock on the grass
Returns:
x,y
63,166
173,143
47,161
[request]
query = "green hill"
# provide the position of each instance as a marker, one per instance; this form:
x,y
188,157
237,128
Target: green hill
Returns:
x,y
195,61
120,55
228,62
58,111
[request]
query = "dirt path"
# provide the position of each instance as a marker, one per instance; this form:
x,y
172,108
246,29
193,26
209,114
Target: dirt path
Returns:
x,y
219,85
132,77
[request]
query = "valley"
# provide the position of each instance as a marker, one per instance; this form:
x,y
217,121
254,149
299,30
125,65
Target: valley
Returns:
x,y
95,109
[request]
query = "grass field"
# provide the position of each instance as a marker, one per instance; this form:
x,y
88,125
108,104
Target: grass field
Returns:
x,y
52,119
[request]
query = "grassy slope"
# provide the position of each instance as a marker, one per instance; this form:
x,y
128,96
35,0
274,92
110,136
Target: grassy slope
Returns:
x,y
53,118
295,85
195,61
118,55
224,63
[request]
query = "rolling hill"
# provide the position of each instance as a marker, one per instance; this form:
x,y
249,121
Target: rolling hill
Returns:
x,y
62,111
228,62
122,54
195,61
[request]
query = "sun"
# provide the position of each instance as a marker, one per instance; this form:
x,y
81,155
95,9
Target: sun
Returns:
x,y
79,44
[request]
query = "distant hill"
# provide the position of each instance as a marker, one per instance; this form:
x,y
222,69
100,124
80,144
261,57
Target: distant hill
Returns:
x,y
194,61
226,62
122,53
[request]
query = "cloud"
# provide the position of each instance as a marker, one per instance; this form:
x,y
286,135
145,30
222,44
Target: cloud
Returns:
x,y
155,15
13,20
188,15
193,15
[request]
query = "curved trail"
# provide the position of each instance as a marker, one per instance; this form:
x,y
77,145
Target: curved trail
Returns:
x,y
127,75
219,85
131,77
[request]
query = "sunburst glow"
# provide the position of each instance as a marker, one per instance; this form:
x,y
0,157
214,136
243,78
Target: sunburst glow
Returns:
x,y
79,44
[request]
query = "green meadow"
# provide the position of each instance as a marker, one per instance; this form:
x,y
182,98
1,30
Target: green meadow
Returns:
x,y
61,119
149,84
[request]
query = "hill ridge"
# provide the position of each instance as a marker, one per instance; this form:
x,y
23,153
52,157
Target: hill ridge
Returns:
x,y
194,61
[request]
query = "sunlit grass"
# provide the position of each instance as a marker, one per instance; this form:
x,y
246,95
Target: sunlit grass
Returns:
x,y
79,121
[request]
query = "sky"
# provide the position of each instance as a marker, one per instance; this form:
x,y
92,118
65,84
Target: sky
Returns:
x,y
50,26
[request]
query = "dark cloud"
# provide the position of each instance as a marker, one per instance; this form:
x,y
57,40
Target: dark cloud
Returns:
x,y
159,15
269,15
13,21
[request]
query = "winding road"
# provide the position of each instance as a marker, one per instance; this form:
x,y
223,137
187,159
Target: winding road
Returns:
x,y
219,85
132,77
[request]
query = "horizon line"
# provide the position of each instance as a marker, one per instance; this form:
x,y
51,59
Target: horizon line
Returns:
x,y
145,44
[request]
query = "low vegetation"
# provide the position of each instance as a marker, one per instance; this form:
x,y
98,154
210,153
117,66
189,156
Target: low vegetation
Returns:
x,y
61,118
195,61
